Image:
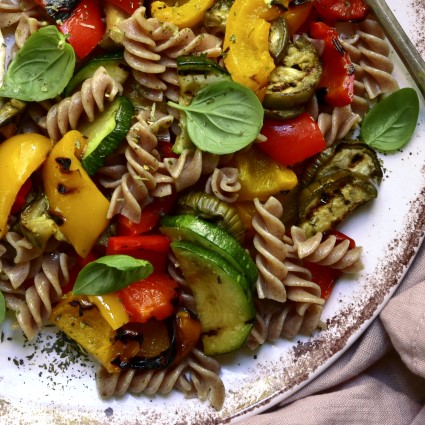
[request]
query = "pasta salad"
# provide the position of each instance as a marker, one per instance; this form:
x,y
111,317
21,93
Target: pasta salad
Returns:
x,y
174,174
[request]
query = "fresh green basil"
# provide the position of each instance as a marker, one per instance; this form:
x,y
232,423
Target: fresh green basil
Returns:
x,y
224,117
389,125
110,273
2,307
41,69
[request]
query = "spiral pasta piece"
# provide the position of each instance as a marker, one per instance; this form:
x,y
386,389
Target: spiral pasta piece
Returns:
x,y
132,189
276,320
91,98
34,310
178,173
336,125
151,48
195,376
269,242
11,12
327,252
224,184
369,51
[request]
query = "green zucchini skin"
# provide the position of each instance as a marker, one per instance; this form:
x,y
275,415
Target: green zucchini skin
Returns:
x,y
224,302
106,133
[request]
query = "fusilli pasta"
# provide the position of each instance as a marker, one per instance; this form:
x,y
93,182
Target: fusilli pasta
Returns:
x,y
66,115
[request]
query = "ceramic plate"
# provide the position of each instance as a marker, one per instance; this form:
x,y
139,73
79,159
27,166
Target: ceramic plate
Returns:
x,y
41,383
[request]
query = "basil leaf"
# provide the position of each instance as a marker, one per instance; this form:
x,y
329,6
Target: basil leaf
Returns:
x,y
224,117
2,307
389,125
110,273
41,69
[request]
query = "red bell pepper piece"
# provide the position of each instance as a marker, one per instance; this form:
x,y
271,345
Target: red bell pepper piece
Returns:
x,y
156,297
292,141
151,214
128,6
21,197
323,276
338,72
124,244
85,27
342,10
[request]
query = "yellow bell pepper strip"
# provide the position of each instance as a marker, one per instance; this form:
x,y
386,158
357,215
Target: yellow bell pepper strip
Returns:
x,y
246,43
76,202
82,322
185,15
111,308
260,176
20,156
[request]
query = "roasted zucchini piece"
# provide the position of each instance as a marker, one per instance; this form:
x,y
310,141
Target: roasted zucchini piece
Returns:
x,y
352,155
328,200
213,209
216,17
36,224
196,72
294,82
278,39
10,110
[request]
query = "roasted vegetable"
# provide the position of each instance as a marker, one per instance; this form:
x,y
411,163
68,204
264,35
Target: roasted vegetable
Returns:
x,y
213,209
36,224
10,110
216,17
294,82
196,72
260,175
75,202
223,297
278,39
184,15
246,43
152,345
352,155
20,156
328,200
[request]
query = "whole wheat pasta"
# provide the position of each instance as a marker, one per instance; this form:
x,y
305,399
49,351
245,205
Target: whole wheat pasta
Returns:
x,y
151,47
196,376
326,252
135,185
35,308
369,51
338,124
66,115
224,184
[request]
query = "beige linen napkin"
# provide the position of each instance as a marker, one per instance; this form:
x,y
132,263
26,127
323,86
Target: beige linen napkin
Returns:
x,y
380,379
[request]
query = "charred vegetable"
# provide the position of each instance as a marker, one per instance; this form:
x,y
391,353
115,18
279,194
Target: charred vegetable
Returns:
x,y
295,80
278,39
328,200
10,110
36,224
352,155
216,17
213,209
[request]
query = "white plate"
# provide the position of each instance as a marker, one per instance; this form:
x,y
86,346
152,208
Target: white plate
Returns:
x,y
37,385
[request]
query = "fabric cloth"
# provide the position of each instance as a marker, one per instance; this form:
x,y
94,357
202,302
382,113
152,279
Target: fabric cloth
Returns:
x,y
380,379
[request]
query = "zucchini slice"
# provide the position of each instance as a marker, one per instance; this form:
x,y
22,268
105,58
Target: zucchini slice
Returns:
x,y
352,155
328,200
106,133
